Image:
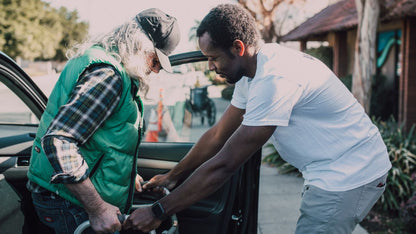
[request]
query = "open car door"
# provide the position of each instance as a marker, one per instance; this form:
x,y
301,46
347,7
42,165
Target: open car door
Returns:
x,y
231,209
22,104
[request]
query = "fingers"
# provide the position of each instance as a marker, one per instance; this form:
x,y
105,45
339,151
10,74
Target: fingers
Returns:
x,y
150,184
155,181
127,224
133,221
107,227
155,189
138,183
118,227
141,219
106,221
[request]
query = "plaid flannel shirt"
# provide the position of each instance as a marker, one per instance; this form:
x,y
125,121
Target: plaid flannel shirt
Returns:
x,y
93,99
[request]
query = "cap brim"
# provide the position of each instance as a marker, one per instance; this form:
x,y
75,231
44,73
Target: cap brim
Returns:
x,y
164,60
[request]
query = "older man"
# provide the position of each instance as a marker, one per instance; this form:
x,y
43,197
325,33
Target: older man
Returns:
x,y
83,163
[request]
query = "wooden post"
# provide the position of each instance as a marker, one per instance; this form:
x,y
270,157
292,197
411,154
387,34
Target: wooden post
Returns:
x,y
407,91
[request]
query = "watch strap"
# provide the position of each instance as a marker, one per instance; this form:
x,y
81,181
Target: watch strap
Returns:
x,y
158,211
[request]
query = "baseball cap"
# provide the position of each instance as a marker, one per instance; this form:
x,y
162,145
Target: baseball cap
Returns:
x,y
163,31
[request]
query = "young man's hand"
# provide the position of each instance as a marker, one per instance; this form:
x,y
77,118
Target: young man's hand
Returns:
x,y
142,219
158,181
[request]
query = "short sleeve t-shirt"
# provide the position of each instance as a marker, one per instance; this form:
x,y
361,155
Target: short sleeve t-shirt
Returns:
x,y
321,128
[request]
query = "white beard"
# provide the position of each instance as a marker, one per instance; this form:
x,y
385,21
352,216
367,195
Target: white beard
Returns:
x,y
137,66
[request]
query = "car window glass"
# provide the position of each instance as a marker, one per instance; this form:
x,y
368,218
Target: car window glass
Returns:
x,y
181,106
13,109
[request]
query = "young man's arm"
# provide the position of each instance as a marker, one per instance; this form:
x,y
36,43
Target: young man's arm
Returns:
x,y
207,146
209,177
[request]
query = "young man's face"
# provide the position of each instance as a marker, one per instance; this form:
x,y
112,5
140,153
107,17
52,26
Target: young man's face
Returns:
x,y
222,61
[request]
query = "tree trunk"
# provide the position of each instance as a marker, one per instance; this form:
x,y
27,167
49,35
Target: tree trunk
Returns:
x,y
365,50
264,13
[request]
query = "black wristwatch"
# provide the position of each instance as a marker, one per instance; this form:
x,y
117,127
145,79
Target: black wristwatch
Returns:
x,y
158,211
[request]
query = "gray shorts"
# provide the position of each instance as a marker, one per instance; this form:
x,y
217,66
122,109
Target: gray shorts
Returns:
x,y
337,212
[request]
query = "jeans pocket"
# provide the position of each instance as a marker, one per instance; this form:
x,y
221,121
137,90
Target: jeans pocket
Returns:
x,y
371,193
52,218
58,213
318,204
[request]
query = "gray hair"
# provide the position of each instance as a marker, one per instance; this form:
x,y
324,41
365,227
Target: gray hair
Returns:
x,y
129,45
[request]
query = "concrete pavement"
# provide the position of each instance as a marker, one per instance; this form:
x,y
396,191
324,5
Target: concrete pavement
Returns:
x,y
279,202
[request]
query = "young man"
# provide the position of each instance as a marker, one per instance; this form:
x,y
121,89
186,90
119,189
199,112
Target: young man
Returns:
x,y
83,163
302,107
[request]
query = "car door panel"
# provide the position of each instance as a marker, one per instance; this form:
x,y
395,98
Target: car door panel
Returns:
x,y
210,215
164,155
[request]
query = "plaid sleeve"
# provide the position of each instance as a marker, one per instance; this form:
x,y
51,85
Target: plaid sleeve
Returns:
x,y
93,99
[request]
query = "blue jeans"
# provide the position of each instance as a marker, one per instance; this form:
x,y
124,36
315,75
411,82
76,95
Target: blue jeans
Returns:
x,y
337,212
59,214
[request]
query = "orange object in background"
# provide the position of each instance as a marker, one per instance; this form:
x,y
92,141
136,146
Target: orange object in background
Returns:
x,y
155,121
160,111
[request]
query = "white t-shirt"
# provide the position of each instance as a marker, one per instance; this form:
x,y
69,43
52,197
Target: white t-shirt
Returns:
x,y
321,128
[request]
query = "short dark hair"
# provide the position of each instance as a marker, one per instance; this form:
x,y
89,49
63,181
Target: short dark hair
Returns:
x,y
228,22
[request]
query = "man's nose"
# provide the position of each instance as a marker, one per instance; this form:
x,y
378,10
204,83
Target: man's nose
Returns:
x,y
156,67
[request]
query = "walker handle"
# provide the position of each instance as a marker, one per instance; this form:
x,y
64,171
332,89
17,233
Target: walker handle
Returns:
x,y
122,217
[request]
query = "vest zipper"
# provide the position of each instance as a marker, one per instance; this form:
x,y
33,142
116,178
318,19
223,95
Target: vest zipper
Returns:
x,y
96,166
133,176
136,154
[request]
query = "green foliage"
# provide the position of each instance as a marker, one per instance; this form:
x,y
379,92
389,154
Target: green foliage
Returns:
x,y
32,29
75,32
401,147
323,53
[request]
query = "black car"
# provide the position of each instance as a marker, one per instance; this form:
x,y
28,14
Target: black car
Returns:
x,y
231,209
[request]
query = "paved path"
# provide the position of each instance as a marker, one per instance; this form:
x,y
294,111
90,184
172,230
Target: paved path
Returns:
x,y
279,202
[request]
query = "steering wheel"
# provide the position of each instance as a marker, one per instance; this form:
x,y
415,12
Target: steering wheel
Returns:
x,y
169,226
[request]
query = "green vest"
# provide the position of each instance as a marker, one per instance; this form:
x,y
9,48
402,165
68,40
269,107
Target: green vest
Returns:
x,y
111,152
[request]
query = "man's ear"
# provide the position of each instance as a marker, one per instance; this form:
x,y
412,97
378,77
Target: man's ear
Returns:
x,y
239,47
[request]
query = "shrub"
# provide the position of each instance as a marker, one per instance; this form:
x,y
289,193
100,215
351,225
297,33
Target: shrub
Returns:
x,y
401,147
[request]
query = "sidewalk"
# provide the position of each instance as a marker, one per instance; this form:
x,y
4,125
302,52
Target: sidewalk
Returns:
x,y
279,202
